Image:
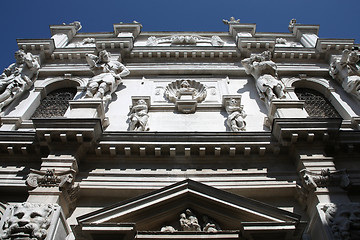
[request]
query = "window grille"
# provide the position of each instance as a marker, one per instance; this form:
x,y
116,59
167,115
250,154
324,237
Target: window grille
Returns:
x,y
316,104
55,103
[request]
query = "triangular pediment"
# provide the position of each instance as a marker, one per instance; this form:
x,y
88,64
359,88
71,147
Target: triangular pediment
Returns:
x,y
152,211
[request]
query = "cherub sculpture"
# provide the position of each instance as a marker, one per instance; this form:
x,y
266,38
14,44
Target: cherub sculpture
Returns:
x,y
18,77
236,115
108,74
139,116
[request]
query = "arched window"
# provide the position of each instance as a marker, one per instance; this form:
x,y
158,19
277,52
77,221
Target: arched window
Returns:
x,y
55,103
316,104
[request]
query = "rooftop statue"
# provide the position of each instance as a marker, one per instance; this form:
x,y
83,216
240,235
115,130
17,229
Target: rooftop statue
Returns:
x,y
18,77
232,20
264,70
347,72
108,74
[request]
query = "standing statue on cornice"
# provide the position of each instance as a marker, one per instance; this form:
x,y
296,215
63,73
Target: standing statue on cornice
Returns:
x,y
139,116
265,73
108,74
18,77
347,72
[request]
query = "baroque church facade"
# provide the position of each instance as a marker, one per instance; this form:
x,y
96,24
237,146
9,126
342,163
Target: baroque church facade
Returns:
x,y
181,135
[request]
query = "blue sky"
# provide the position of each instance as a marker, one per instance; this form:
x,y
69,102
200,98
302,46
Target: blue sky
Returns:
x,y
31,19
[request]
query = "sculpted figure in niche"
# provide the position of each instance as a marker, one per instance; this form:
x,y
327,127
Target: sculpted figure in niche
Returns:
x,y
344,220
28,221
139,116
347,72
265,73
17,77
236,115
108,74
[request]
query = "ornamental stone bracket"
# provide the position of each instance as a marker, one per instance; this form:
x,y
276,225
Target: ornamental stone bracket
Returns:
x,y
186,94
292,130
56,183
284,109
35,221
326,178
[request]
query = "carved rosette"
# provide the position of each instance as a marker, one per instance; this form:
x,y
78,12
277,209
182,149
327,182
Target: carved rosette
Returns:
x,y
186,94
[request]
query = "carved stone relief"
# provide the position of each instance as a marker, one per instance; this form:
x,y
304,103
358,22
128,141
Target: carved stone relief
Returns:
x,y
188,221
49,178
346,71
313,180
282,42
108,74
215,41
28,221
264,71
344,220
139,116
86,42
186,94
236,114
18,77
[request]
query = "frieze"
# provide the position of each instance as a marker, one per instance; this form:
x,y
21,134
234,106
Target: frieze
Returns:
x,y
215,41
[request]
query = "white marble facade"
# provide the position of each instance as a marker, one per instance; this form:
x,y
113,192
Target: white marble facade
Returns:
x,y
181,135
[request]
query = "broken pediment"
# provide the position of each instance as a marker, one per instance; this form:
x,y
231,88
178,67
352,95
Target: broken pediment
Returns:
x,y
158,215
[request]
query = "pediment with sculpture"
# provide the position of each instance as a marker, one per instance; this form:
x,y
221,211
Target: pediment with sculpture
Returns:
x,y
190,208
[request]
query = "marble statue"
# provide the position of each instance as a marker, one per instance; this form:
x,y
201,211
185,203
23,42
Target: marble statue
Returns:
x,y
18,77
264,70
189,222
108,74
28,221
210,225
344,220
347,72
139,116
232,20
168,229
236,115
292,24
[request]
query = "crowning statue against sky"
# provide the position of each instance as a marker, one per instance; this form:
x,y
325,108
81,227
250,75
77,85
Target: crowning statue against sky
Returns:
x,y
21,19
